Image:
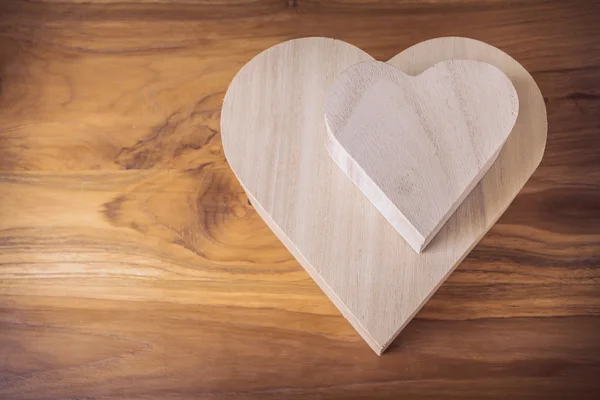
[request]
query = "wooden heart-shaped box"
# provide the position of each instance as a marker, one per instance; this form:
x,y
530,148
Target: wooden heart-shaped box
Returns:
x,y
274,135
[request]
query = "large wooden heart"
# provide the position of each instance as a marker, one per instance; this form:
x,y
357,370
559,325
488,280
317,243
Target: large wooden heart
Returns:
x,y
274,135
417,145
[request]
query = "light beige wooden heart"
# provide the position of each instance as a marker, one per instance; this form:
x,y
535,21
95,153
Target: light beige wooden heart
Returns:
x,y
417,145
274,136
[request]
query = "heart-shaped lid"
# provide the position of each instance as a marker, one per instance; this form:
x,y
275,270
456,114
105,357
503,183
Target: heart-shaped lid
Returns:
x,y
417,145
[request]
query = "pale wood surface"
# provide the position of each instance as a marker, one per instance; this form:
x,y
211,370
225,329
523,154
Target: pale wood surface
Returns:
x,y
274,137
110,110
417,146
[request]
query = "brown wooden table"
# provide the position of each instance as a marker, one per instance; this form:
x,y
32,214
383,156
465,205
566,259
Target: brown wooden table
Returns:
x,y
133,267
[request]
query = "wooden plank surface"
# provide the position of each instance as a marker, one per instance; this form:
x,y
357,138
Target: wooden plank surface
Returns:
x,y
133,267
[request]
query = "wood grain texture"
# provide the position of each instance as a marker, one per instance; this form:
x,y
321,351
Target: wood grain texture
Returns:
x,y
110,111
359,260
416,146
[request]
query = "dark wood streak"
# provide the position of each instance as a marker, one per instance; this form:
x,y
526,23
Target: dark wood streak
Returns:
x,y
133,266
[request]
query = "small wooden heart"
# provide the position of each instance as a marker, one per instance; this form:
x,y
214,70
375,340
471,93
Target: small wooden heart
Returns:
x,y
417,145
